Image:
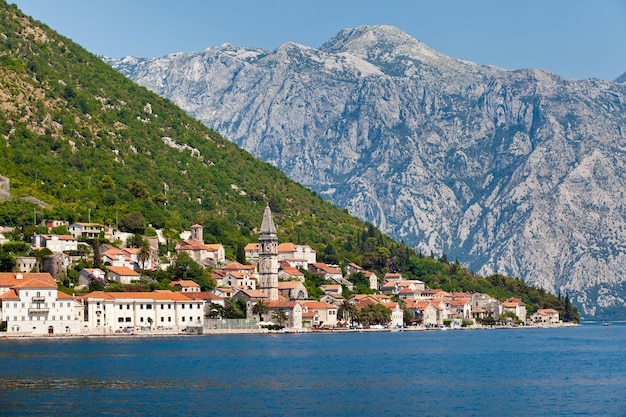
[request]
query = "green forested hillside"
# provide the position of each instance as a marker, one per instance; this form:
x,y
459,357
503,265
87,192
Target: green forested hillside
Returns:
x,y
93,145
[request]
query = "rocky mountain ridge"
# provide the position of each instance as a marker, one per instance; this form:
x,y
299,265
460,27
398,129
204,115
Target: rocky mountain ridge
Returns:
x,y
519,172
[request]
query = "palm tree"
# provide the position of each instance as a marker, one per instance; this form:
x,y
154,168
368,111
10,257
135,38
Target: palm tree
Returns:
x,y
145,253
214,310
347,311
280,316
260,308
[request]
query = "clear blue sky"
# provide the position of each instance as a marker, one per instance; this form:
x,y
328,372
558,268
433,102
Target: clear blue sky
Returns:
x,y
573,38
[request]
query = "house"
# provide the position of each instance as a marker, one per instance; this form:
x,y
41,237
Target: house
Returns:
x,y
238,267
334,299
224,292
395,287
298,256
288,272
373,279
186,285
292,309
545,315
327,313
55,243
331,288
353,268
517,307
107,312
212,254
491,306
461,308
86,275
118,257
26,263
427,314
31,305
86,230
251,251
239,280
393,276
293,290
122,274
330,273
50,224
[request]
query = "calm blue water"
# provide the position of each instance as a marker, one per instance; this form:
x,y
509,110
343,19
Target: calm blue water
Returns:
x,y
527,372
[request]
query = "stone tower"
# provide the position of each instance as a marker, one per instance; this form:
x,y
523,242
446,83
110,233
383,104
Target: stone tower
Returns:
x,y
196,233
268,257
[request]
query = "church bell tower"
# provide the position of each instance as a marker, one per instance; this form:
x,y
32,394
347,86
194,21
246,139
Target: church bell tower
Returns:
x,y
268,257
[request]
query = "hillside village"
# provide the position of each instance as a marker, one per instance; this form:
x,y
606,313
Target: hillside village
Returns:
x,y
269,288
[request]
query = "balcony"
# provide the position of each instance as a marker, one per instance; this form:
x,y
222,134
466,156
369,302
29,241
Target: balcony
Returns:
x,y
38,310
39,299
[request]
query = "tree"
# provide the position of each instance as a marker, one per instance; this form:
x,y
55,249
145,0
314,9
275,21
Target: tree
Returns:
x,y
347,311
138,189
133,222
145,253
135,241
96,285
260,308
241,254
106,182
232,310
186,268
214,311
279,316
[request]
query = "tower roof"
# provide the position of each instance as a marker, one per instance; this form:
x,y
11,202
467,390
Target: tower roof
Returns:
x,y
267,226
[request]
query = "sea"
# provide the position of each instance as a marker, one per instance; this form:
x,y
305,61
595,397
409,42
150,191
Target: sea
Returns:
x,y
564,371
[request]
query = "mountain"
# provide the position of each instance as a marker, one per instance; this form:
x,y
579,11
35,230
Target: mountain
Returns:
x,y
89,144
621,78
517,172
82,142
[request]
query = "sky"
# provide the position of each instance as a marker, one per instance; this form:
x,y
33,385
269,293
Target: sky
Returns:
x,y
572,38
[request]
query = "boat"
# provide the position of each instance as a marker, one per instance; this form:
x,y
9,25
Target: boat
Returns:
x,y
606,323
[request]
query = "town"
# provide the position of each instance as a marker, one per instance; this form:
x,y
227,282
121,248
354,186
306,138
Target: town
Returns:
x,y
269,289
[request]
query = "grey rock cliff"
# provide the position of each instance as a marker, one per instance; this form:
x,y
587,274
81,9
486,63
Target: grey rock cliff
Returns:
x,y
518,172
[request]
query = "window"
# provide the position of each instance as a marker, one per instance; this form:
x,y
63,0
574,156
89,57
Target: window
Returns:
x,y
149,306
169,306
128,307
162,306
141,319
183,306
169,319
162,319
127,320
141,306
120,319
121,306
183,319
68,304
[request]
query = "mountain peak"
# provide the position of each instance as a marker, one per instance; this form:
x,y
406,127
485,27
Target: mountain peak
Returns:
x,y
621,78
363,39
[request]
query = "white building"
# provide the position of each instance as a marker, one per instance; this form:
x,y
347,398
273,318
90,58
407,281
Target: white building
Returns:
x,y
56,243
107,312
31,305
298,256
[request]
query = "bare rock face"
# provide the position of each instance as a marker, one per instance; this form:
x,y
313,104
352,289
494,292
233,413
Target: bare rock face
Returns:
x,y
5,188
517,172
